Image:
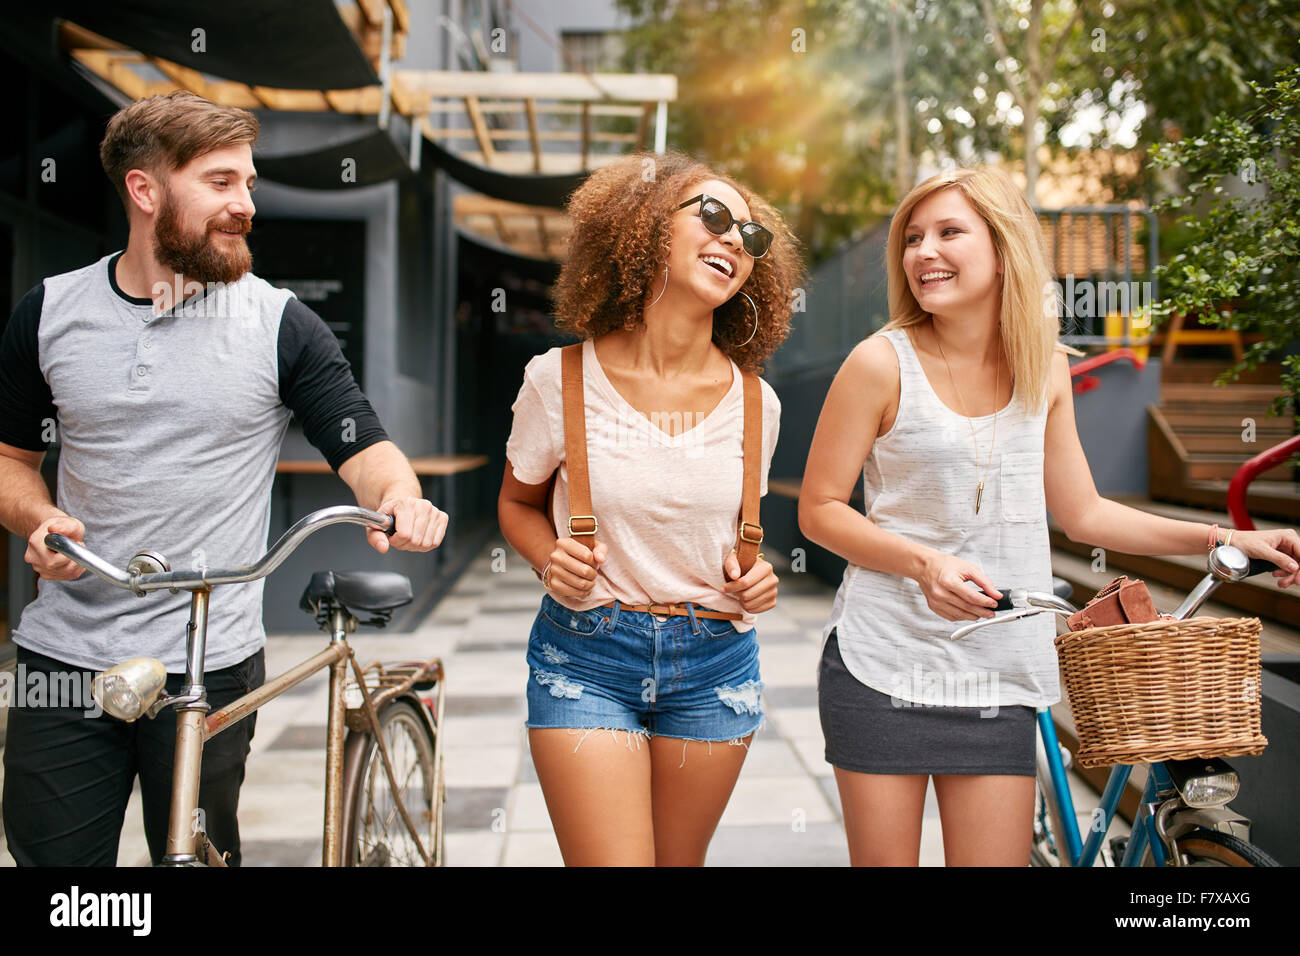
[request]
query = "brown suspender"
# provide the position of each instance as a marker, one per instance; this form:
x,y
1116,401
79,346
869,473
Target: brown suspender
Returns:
x,y
582,524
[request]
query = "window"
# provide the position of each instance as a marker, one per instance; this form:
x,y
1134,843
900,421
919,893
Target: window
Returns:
x,y
591,51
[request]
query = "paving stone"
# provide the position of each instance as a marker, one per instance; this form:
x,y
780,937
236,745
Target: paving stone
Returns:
x,y
792,696
302,737
500,705
474,808
816,844
302,852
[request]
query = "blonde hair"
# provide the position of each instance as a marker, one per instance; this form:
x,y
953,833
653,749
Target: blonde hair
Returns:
x,y
1030,312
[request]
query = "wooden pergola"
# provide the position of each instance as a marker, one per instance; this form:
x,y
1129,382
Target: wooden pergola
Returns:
x,y
512,123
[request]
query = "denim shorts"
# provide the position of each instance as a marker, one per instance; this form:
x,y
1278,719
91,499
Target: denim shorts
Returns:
x,y
688,677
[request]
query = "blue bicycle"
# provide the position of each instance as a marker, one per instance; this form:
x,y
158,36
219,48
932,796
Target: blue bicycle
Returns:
x,y
1183,815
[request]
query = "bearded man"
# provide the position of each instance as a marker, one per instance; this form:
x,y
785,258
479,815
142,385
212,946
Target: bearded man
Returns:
x,y
170,372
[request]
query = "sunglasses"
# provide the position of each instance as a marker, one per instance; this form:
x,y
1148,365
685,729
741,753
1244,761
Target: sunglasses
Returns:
x,y
718,220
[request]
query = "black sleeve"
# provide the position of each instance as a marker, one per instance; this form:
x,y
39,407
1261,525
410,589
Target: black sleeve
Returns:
x,y
26,402
316,384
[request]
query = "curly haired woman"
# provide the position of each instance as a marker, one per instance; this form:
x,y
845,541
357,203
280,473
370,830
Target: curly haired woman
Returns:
x,y
677,279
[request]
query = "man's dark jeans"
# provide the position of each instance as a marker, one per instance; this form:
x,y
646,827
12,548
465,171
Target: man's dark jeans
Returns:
x,y
68,777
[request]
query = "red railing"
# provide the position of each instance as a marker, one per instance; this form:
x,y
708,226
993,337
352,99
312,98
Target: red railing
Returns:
x,y
1086,382
1248,473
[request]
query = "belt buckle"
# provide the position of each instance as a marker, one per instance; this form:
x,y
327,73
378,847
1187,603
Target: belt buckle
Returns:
x,y
661,610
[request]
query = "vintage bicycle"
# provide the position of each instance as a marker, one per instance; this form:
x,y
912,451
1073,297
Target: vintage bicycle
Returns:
x,y
384,787
1183,814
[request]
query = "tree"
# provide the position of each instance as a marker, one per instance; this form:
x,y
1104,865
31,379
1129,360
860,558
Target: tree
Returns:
x,y
1028,74
1244,247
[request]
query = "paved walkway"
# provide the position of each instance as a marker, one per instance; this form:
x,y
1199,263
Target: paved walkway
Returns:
x,y
784,811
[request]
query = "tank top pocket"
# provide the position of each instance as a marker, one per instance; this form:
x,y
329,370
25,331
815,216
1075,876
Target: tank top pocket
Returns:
x,y
1021,477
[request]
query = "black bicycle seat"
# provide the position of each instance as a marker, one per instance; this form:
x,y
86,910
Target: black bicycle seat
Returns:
x,y
375,591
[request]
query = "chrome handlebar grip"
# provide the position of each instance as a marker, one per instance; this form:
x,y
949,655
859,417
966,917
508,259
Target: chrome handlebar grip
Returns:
x,y
207,577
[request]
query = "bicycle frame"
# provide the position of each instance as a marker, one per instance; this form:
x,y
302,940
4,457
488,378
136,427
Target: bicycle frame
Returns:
x,y
186,841
1144,834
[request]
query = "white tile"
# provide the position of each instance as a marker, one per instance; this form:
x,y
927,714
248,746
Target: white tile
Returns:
x,y
490,672
788,665
797,722
464,733
282,812
475,849
776,800
812,754
485,766
273,769
931,842
528,809
769,757
532,849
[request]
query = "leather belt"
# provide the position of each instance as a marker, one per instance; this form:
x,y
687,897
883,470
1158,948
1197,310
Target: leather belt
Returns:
x,y
672,610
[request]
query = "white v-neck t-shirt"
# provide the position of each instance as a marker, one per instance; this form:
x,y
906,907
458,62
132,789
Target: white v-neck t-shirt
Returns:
x,y
667,505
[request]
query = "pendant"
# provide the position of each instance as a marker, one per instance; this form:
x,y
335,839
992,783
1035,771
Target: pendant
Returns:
x,y
979,494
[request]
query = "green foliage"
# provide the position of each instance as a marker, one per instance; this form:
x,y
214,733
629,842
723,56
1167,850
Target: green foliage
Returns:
x,y
1241,266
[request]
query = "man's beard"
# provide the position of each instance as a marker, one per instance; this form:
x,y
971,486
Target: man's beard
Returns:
x,y
202,258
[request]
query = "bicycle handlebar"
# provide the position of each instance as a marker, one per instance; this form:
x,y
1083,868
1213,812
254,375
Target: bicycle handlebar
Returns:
x,y
199,578
1226,563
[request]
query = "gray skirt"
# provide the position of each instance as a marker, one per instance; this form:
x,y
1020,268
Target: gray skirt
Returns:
x,y
869,732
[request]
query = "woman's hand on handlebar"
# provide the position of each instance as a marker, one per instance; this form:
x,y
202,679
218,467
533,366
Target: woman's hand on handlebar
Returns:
x,y
1282,547
573,568
49,564
943,581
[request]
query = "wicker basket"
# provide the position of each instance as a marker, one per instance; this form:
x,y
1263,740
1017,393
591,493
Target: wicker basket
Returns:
x,y
1167,690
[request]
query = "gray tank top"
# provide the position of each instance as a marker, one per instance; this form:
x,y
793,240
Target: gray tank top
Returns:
x,y
920,481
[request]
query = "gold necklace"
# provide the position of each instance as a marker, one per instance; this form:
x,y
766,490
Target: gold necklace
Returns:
x,y
997,396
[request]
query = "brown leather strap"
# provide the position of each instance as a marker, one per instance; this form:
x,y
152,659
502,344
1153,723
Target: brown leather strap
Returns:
x,y
750,533
582,521
670,610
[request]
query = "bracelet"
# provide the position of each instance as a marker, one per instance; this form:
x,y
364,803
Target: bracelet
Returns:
x,y
541,575
1213,539
1229,538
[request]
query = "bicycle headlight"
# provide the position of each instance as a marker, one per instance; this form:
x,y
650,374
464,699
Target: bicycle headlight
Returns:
x,y
129,689
1210,789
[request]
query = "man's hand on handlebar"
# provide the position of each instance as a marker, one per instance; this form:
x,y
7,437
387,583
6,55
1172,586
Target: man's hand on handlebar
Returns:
x,y
49,564
417,526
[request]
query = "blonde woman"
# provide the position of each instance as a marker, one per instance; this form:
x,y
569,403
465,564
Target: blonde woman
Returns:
x,y
959,418
640,715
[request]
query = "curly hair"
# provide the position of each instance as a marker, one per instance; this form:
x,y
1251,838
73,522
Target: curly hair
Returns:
x,y
622,226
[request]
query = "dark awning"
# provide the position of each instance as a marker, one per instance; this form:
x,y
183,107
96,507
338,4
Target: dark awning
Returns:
x,y
489,256
299,45
532,189
375,159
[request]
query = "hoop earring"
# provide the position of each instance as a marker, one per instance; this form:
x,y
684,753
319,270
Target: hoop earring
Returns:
x,y
661,291
751,334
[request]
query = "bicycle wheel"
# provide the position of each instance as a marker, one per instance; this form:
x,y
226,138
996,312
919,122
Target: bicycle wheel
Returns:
x,y
374,831
1202,847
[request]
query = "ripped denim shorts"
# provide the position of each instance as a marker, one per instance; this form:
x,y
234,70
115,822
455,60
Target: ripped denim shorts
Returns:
x,y
688,677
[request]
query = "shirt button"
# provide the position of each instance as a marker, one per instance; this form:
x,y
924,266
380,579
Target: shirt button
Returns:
x,y
147,344
141,370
